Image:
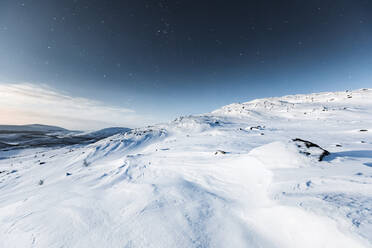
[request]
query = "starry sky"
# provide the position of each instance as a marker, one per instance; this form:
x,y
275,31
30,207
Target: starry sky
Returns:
x,y
158,59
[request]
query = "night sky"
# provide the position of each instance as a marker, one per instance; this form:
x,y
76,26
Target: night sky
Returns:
x,y
169,58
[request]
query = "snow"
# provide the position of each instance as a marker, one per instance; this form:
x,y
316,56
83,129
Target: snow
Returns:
x,y
165,185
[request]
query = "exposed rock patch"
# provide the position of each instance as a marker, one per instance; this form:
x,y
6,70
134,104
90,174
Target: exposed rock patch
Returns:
x,y
311,149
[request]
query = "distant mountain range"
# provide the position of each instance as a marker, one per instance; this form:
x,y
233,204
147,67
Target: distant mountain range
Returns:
x,y
37,135
30,128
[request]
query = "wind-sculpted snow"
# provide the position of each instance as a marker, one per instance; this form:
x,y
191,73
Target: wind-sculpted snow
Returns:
x,y
120,144
231,178
198,123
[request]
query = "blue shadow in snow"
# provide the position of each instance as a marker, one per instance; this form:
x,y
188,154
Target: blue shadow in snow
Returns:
x,y
368,164
352,154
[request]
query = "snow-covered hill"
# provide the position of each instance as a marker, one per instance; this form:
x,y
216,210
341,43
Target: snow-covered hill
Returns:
x,y
230,178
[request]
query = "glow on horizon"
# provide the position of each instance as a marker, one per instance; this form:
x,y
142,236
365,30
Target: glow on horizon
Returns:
x,y
27,103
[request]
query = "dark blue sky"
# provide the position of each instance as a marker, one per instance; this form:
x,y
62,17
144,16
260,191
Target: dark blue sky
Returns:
x,y
169,58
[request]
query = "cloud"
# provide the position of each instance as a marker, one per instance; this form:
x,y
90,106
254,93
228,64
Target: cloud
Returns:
x,y
30,103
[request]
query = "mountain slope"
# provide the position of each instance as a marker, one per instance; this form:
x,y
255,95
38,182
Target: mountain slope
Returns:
x,y
230,178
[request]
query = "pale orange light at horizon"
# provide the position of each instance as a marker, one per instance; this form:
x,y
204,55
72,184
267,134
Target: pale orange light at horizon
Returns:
x,y
32,104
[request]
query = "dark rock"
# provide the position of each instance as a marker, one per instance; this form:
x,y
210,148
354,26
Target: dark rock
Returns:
x,y
219,152
308,183
85,163
309,148
257,128
68,174
41,163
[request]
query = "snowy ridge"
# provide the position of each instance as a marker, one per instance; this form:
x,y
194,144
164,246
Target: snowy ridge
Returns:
x,y
321,105
230,178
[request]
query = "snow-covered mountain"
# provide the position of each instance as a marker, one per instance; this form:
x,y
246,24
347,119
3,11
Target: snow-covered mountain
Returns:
x,y
293,171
